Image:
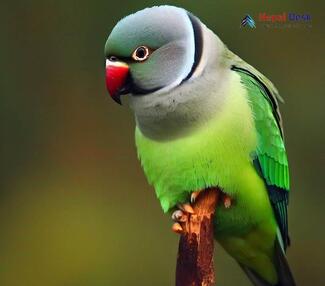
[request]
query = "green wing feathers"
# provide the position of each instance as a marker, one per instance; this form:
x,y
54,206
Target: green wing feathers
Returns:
x,y
270,156
270,151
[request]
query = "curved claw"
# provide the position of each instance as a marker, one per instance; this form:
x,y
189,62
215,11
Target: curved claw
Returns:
x,y
179,216
194,196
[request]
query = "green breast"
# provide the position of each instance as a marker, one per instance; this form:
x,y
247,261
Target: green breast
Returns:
x,y
219,154
212,155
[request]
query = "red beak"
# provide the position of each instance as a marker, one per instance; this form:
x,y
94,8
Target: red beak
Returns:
x,y
116,74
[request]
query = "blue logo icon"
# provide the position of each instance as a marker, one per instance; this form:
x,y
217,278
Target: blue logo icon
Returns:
x,y
248,21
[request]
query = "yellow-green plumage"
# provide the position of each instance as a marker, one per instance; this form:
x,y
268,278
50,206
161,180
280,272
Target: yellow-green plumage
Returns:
x,y
219,153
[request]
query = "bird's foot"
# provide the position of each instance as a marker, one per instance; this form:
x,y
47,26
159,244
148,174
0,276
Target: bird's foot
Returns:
x,y
188,217
180,216
183,212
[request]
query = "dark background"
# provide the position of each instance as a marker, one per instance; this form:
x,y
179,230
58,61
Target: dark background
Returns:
x,y
75,207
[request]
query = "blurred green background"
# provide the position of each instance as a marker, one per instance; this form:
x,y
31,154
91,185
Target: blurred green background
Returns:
x,y
75,207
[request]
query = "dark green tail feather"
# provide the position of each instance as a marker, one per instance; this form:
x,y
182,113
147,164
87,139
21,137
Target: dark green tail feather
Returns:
x,y
279,199
253,277
283,269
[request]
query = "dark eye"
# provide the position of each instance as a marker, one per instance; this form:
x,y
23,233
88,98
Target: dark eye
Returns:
x,y
141,53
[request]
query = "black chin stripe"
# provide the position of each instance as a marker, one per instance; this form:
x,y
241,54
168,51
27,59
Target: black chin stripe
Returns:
x,y
131,87
198,44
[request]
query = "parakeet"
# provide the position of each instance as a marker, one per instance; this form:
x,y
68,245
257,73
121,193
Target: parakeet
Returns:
x,y
205,118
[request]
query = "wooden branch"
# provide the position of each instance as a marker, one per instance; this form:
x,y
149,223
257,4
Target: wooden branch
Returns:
x,y
196,245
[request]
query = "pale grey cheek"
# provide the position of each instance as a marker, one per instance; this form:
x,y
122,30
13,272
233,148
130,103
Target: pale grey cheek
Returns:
x,y
169,64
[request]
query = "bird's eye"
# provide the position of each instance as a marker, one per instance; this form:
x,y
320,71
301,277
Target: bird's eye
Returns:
x,y
141,53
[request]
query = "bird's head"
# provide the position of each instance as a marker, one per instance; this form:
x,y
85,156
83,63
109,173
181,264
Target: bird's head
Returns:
x,y
152,50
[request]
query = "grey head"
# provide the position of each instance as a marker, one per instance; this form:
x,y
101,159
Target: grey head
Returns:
x,y
152,56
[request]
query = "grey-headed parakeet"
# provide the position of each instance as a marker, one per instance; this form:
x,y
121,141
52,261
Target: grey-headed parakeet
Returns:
x,y
205,118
